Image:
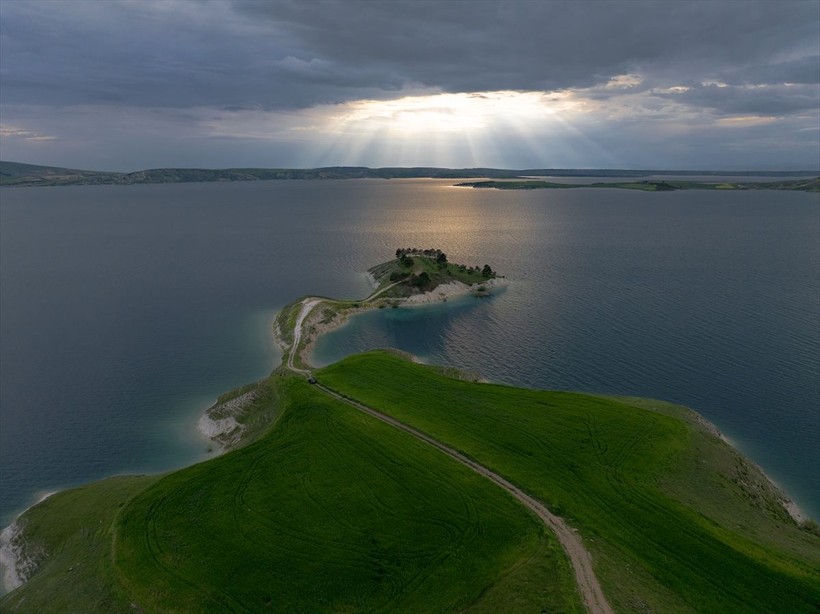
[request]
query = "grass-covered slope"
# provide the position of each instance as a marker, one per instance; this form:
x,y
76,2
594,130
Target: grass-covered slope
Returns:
x,y
628,478
333,511
70,537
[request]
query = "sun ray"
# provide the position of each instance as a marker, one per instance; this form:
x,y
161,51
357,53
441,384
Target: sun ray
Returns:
x,y
444,129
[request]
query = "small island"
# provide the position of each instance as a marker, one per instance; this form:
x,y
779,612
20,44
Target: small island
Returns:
x,y
380,484
415,277
423,270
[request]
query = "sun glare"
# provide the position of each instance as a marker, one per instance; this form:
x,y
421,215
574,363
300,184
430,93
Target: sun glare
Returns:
x,y
445,129
447,113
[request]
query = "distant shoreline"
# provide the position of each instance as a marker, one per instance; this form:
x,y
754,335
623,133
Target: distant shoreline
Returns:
x,y
797,185
17,174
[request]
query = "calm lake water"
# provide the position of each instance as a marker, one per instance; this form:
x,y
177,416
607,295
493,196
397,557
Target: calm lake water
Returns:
x,y
124,311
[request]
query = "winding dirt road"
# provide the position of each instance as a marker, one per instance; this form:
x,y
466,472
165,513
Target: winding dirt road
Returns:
x,y
307,305
588,585
581,562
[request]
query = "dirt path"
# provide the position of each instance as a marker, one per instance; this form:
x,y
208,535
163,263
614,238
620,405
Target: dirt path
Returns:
x,y
591,593
378,292
307,305
581,562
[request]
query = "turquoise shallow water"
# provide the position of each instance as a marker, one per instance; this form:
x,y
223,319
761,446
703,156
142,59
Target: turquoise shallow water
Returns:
x,y
125,310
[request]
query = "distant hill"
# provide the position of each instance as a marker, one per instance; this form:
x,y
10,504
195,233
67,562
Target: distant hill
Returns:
x,y
15,173
803,184
19,174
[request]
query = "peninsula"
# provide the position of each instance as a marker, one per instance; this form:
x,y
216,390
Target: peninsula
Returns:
x,y
416,277
379,484
645,185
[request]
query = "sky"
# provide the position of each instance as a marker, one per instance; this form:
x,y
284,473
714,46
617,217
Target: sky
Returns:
x,y
662,84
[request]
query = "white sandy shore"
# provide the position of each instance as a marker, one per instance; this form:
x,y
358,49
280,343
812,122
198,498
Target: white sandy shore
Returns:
x,y
16,562
453,290
215,428
219,423
316,324
788,504
797,514
13,562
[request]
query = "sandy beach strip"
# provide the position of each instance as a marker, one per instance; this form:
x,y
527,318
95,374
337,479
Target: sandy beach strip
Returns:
x,y
316,324
219,422
798,515
16,563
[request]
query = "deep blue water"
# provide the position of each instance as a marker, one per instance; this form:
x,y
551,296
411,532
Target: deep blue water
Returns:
x,y
125,310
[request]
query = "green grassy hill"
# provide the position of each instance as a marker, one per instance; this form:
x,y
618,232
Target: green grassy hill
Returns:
x,y
332,510
675,519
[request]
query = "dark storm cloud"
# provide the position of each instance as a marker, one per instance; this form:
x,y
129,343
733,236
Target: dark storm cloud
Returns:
x,y
290,54
163,55
221,82
761,100
802,70
482,45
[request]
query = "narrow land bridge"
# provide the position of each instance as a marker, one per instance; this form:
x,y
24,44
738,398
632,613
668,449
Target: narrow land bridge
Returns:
x,y
581,561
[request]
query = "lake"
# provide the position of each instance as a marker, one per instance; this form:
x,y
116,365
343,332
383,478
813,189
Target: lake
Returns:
x,y
125,310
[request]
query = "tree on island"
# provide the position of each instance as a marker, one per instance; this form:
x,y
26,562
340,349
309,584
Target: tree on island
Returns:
x,y
421,280
434,254
405,257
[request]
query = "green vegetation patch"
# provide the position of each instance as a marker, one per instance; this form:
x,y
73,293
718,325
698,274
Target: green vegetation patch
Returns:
x,y
253,406
285,322
626,477
70,536
415,270
334,511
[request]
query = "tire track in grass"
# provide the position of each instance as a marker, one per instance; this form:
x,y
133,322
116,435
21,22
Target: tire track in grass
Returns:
x,y
370,451
157,555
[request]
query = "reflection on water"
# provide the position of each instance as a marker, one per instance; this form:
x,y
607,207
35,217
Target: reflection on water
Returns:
x,y
421,330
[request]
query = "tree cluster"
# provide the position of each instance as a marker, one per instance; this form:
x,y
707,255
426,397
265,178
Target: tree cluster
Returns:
x,y
421,280
487,271
404,255
435,254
